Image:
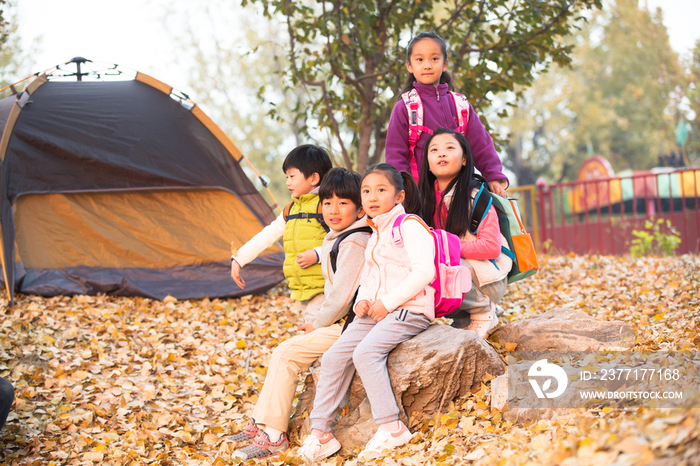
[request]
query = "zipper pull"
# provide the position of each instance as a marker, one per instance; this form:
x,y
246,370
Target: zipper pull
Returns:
x,y
437,94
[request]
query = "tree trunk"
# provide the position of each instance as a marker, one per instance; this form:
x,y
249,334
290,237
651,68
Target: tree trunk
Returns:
x,y
366,126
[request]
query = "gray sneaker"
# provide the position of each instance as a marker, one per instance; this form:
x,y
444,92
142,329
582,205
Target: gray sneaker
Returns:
x,y
246,435
262,447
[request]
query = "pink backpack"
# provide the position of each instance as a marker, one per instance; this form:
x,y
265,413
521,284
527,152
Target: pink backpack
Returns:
x,y
452,280
414,106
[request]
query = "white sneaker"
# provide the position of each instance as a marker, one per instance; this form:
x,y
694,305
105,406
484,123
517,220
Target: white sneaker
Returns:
x,y
482,323
384,440
313,450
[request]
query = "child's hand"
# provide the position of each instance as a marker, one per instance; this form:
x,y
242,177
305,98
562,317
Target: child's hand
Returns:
x,y
496,187
306,328
307,258
361,308
377,311
236,274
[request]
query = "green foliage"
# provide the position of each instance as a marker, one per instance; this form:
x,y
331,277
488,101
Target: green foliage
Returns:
x,y
653,242
236,67
15,61
615,100
349,56
693,95
3,24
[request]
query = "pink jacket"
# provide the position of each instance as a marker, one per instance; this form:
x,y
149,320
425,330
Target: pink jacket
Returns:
x,y
399,276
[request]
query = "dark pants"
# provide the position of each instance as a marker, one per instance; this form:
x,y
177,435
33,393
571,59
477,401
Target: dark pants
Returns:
x,y
7,396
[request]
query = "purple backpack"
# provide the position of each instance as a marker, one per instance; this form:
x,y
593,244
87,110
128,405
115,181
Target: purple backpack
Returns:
x,y
452,280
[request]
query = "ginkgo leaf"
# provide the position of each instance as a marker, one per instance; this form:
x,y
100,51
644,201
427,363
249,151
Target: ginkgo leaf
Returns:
x,y
141,381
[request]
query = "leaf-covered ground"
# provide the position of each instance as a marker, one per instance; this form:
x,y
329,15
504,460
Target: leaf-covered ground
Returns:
x,y
124,381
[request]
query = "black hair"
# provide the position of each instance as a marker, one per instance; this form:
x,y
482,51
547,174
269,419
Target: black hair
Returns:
x,y
459,213
342,183
402,181
444,77
308,159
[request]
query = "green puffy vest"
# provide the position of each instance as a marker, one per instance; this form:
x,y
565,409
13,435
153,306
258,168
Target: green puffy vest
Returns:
x,y
301,234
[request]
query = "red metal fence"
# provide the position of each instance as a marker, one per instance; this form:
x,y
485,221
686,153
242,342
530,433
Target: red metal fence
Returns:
x,y
598,216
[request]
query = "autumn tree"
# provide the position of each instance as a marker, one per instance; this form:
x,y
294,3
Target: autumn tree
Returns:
x,y
15,61
693,95
614,100
349,56
234,65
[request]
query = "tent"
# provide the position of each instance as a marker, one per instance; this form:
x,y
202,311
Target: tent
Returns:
x,y
123,187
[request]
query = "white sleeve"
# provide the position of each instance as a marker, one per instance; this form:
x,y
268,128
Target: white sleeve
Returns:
x,y
261,241
418,243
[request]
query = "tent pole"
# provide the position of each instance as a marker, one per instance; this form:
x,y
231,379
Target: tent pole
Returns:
x,y
275,206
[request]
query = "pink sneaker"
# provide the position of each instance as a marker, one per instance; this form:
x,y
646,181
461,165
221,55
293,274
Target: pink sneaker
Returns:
x,y
384,440
246,435
262,447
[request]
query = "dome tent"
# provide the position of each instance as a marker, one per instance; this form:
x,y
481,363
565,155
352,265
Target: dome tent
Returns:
x,y
123,187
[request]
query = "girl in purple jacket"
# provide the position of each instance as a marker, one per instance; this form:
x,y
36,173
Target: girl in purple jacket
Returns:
x,y
426,62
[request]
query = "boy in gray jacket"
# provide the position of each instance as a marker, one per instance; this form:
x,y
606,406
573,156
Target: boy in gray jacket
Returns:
x,y
342,211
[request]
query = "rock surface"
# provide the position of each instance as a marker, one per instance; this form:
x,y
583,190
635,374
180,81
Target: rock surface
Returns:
x,y
427,372
561,330
566,330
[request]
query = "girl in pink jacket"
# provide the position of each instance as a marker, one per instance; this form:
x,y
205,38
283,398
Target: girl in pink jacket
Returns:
x,y
394,303
449,174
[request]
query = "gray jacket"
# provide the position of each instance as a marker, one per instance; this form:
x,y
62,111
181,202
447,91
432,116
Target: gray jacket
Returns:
x,y
340,287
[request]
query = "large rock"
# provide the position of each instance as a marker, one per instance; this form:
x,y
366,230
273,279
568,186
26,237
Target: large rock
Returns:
x,y
557,330
566,330
427,372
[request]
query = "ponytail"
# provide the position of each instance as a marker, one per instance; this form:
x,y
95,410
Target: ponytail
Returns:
x,y
412,203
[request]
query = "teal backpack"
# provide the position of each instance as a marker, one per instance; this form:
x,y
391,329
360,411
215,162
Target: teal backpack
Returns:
x,y
520,246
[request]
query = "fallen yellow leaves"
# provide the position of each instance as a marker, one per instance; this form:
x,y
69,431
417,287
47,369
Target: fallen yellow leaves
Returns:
x,y
122,381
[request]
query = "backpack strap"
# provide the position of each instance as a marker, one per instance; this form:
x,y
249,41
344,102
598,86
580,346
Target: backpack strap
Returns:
x,y
285,211
318,215
396,228
480,206
462,108
414,107
333,255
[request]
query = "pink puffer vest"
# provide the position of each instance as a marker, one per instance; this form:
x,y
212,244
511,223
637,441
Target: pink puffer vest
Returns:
x,y
386,265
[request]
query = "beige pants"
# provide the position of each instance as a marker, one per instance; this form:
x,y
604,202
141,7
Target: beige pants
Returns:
x,y
288,360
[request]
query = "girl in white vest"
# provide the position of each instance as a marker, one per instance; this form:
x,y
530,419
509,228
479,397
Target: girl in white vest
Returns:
x,y
394,303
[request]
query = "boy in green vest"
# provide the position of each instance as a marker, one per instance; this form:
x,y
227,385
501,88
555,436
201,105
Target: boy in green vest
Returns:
x,y
300,228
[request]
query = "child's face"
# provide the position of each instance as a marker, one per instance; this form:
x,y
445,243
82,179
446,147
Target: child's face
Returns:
x,y
298,184
445,158
339,213
378,195
427,62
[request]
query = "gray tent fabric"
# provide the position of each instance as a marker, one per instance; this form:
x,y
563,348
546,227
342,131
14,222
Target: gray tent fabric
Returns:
x,y
122,136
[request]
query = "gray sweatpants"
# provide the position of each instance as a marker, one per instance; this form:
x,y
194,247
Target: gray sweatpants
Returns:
x,y
366,344
477,301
